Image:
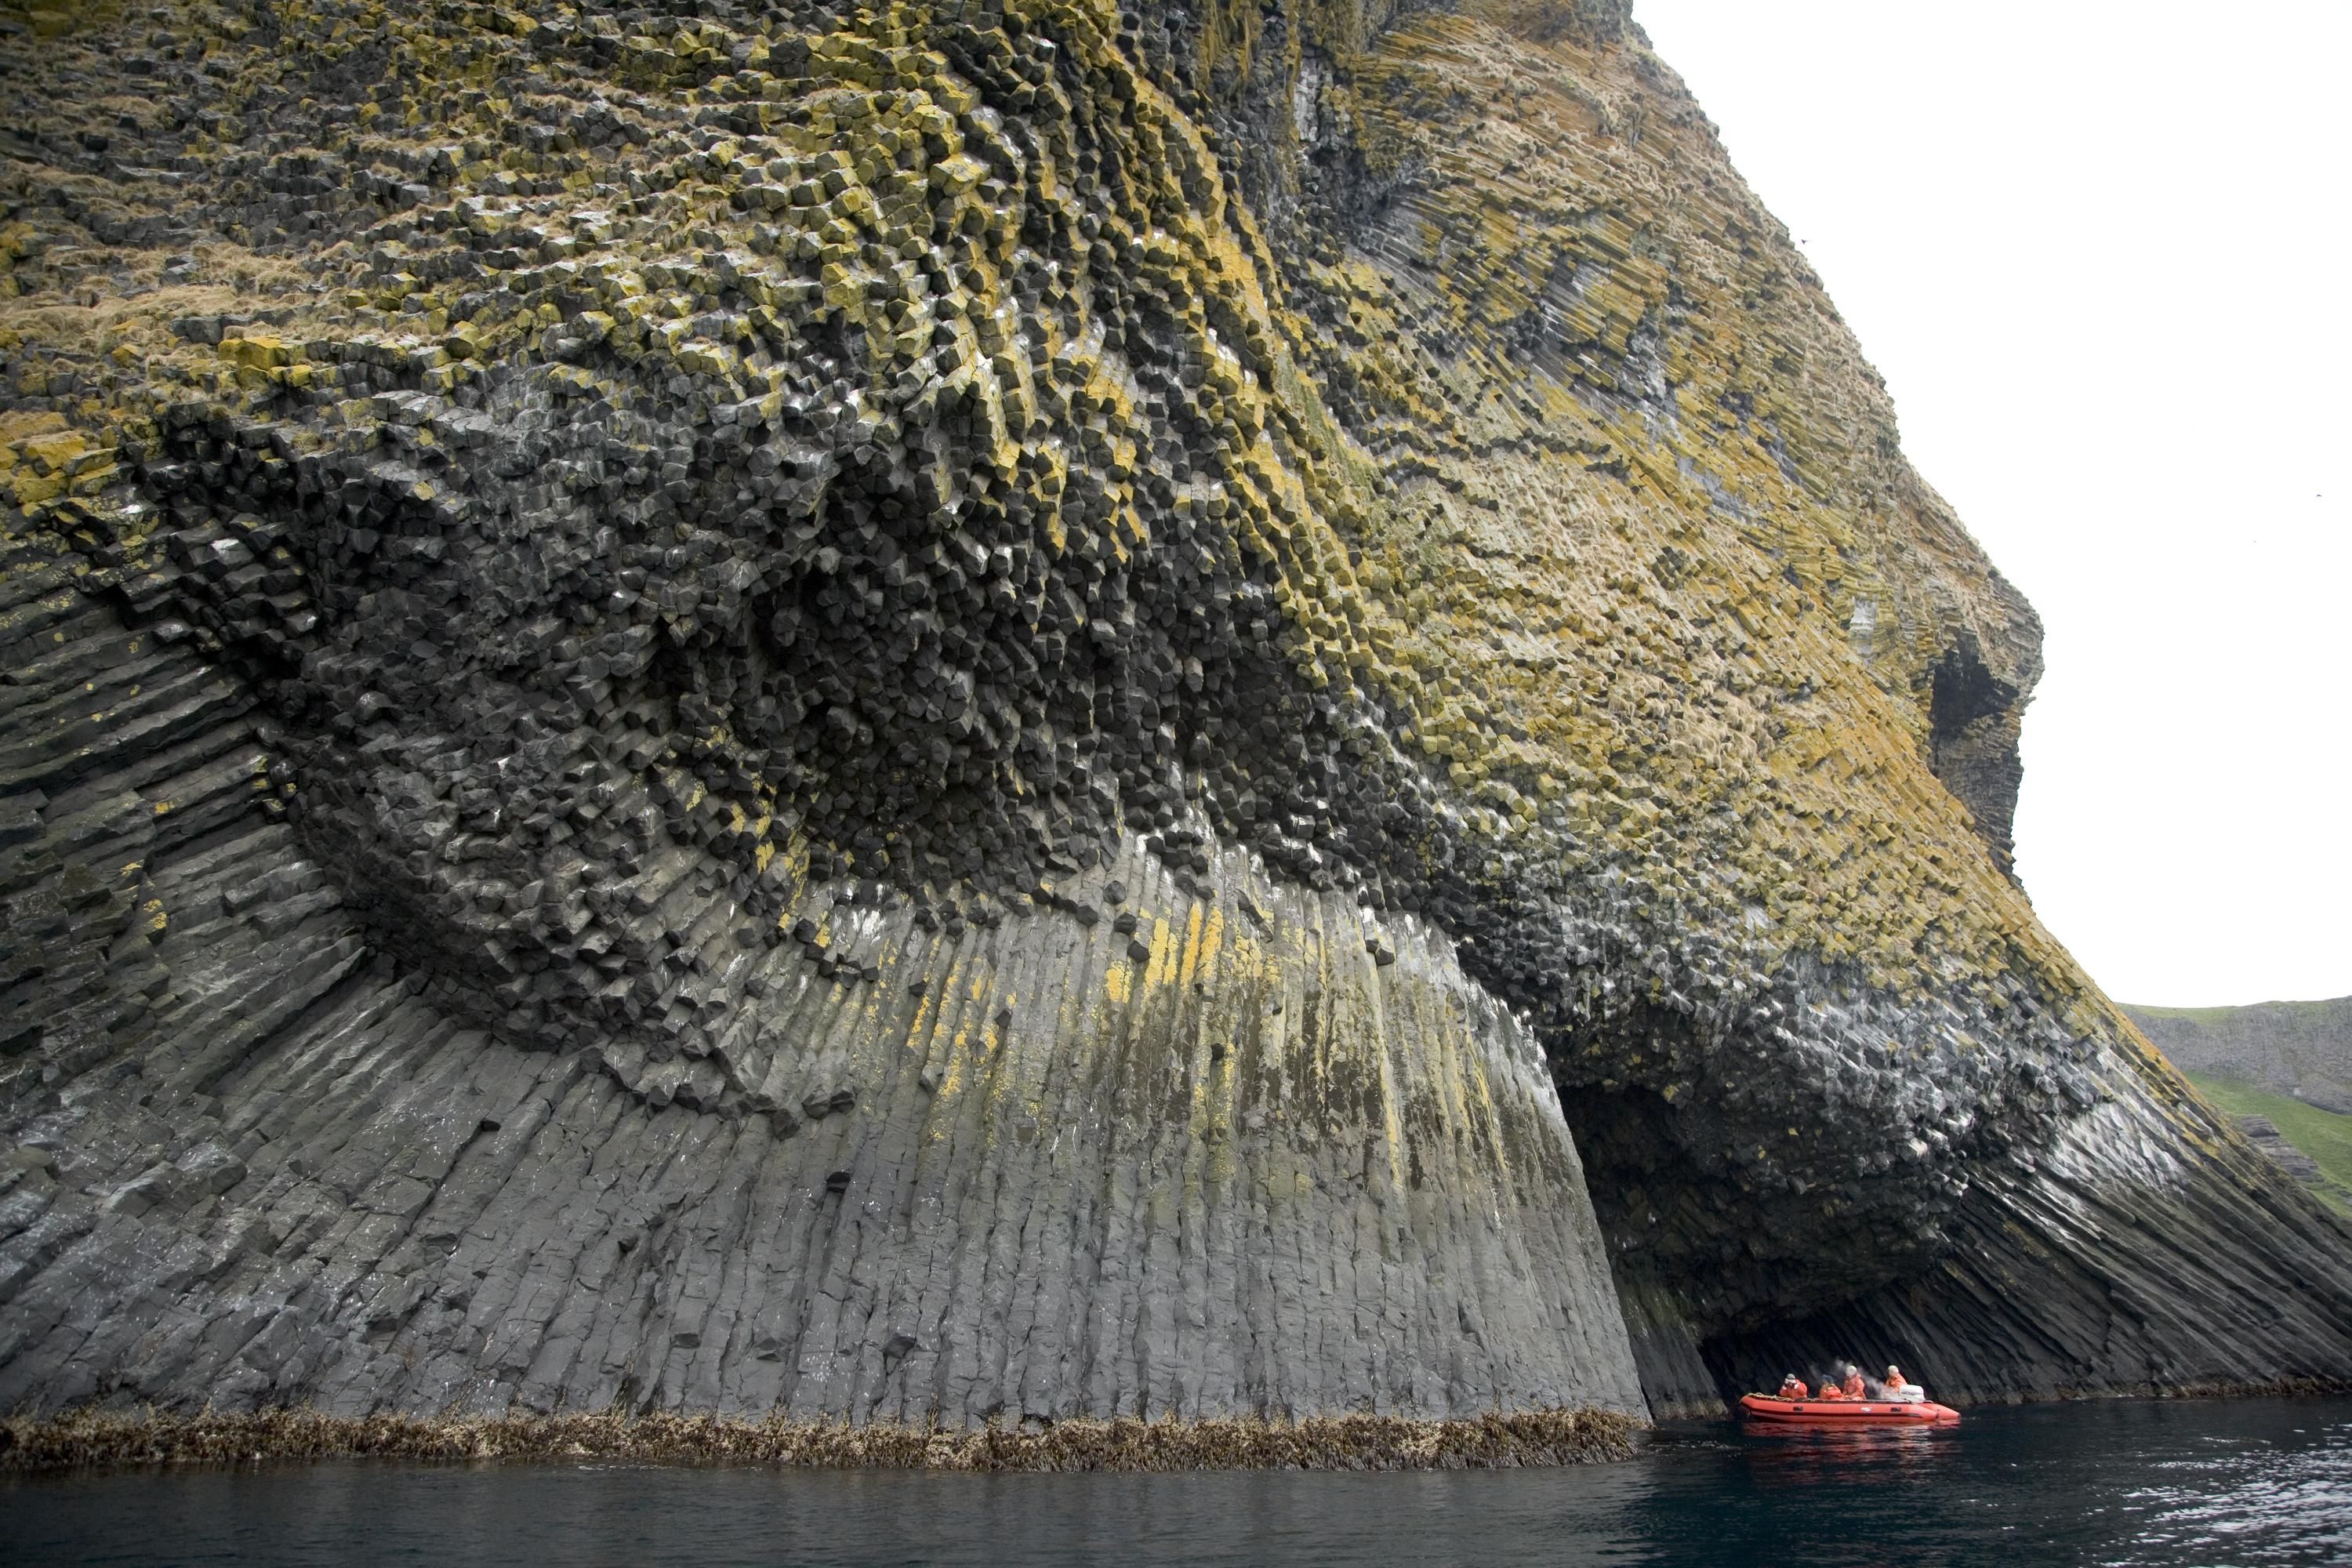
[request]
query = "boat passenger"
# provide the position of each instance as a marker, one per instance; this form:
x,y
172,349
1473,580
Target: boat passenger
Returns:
x,y
1794,1387
1900,1389
1830,1390
1852,1386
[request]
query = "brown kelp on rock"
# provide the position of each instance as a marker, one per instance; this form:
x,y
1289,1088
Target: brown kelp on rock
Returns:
x,y
1536,1437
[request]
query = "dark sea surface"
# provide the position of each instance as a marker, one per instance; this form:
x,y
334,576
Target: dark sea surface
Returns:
x,y
2155,1482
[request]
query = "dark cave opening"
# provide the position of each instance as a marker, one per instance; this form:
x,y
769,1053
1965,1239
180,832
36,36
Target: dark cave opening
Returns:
x,y
1964,692
1973,718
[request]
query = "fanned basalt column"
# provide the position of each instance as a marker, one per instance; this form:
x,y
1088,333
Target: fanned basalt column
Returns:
x,y
1159,1146
563,563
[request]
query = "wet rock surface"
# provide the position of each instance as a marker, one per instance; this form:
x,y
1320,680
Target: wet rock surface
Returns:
x,y
1007,709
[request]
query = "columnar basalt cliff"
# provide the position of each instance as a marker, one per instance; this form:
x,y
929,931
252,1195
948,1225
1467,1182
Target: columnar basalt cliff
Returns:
x,y
1003,708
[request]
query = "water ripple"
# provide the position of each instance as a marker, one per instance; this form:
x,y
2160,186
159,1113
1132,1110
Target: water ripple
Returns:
x,y
2125,1485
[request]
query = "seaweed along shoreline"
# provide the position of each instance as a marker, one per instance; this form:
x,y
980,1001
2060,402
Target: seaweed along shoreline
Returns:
x,y
86,1440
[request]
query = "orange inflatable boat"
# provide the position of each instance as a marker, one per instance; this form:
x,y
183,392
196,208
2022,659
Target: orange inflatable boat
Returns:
x,y
1848,1412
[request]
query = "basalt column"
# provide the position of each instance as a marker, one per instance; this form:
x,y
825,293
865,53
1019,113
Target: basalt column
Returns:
x,y
1140,1149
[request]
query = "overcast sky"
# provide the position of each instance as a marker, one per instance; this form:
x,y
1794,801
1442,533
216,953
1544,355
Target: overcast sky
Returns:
x,y
2101,253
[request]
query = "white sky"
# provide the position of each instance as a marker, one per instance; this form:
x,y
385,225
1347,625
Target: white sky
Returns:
x,y
2101,253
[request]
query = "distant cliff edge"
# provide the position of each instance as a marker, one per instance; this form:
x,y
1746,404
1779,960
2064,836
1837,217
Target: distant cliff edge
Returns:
x,y
2283,1072
2298,1048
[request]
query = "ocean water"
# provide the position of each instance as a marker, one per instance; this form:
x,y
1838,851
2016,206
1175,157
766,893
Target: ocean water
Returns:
x,y
2186,1482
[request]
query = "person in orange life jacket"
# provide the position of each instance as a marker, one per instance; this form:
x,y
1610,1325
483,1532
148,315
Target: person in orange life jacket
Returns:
x,y
1853,1385
1830,1390
1791,1388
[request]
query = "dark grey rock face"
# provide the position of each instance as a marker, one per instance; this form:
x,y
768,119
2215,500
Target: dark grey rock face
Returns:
x,y
2110,1268
1287,1160
1974,719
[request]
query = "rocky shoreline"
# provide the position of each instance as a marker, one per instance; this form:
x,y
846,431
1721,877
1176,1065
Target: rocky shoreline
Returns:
x,y
1358,1442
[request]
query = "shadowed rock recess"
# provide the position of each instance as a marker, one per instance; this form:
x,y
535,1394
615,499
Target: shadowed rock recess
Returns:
x,y
1005,709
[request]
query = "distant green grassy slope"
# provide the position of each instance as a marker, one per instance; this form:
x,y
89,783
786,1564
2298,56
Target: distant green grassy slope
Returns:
x,y
2321,1134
